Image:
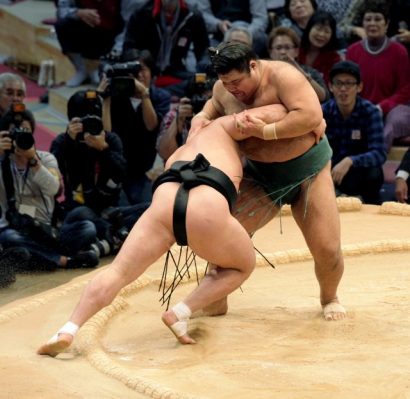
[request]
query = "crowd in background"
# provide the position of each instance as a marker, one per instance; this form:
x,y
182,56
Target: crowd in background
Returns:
x,y
149,64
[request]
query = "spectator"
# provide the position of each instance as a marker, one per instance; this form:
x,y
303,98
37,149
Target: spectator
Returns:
x,y
177,122
385,70
29,183
319,43
355,133
239,34
86,31
220,16
283,44
136,117
167,29
297,14
93,168
12,90
128,7
402,179
338,10
399,20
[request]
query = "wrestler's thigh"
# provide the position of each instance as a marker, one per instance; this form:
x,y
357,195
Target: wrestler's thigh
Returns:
x,y
319,218
149,239
253,207
216,236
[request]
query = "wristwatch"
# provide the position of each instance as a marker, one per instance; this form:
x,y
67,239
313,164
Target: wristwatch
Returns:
x,y
32,162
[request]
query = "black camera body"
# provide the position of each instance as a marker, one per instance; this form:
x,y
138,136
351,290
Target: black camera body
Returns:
x,y
199,91
122,69
22,138
91,124
121,83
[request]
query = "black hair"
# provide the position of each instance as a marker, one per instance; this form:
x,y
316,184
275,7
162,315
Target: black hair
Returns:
x,y
287,4
345,66
228,56
84,102
376,6
9,118
321,18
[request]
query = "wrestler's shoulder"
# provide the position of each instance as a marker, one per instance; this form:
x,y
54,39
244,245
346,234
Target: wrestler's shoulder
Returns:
x,y
277,67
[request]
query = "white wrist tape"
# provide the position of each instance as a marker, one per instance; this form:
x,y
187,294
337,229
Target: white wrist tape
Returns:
x,y
269,132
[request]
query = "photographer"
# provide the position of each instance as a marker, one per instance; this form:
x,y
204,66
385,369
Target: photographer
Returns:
x,y
177,122
12,91
135,109
29,183
93,169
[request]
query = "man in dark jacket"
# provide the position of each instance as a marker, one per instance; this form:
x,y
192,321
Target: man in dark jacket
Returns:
x,y
93,167
167,28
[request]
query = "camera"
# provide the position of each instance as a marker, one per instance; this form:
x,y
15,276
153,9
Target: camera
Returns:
x,y
91,124
22,138
121,83
122,69
199,91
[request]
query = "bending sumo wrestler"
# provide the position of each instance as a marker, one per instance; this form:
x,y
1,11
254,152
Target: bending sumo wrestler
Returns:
x,y
208,171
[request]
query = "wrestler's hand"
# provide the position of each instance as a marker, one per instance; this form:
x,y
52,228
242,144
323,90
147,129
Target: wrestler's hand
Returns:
x,y
319,131
401,190
340,170
249,125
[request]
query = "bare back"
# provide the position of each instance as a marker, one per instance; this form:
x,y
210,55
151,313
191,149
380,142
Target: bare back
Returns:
x,y
218,147
280,83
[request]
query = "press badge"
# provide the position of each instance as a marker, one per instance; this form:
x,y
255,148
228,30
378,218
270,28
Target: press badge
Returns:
x,y
356,134
27,210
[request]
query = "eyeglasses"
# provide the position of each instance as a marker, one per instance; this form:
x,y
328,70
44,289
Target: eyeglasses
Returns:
x,y
13,93
284,47
347,83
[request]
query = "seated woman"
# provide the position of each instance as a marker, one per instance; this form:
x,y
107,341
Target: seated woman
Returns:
x,y
212,174
319,44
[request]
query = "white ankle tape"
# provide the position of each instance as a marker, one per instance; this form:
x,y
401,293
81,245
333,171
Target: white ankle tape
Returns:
x,y
182,311
69,328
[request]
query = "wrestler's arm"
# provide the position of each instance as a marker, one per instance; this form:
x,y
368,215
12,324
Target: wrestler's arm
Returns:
x,y
260,116
304,110
211,110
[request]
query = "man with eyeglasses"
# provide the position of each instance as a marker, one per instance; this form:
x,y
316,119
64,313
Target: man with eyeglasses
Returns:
x,y
355,133
12,90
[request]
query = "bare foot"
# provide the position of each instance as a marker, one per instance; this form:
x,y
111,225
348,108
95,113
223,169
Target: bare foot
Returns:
x,y
178,327
218,308
334,311
56,345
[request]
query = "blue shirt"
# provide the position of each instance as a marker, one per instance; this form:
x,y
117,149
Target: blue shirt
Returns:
x,y
359,137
